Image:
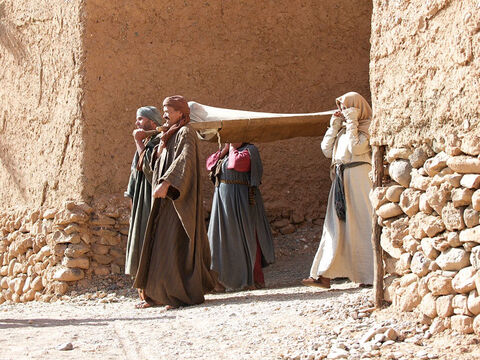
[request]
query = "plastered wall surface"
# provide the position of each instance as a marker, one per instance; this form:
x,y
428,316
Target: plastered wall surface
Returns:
x,y
275,56
425,71
41,143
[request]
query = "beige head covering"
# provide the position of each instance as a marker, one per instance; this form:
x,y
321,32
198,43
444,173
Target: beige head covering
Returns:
x,y
355,100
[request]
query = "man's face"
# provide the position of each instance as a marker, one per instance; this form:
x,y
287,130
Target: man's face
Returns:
x,y
145,123
171,115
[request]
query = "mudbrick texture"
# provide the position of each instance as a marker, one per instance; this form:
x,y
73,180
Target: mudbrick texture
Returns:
x,y
73,74
425,71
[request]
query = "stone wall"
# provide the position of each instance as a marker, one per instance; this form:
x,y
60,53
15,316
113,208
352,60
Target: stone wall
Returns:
x,y
44,250
429,209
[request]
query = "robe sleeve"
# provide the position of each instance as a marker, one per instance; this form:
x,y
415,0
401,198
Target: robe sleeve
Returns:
x,y
147,167
358,143
132,180
239,160
183,164
212,160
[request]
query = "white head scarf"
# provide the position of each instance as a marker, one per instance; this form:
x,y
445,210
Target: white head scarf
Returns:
x,y
355,100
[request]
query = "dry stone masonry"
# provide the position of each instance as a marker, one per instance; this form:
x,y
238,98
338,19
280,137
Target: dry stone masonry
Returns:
x,y
429,211
43,251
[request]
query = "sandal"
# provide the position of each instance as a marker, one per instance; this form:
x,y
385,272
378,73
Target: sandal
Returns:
x,y
321,282
145,304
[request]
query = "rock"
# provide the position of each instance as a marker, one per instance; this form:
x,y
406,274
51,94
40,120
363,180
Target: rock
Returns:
x,y
102,220
434,165
427,246
454,179
437,197
398,153
337,353
102,259
423,204
419,156
464,281
453,259
439,325
100,249
80,262
410,244
473,302
471,217
469,245
452,217
371,333
419,182
443,306
36,284
476,200
403,264
440,285
475,257
410,201
468,235
101,270
410,298
433,225
440,243
393,193
387,246
281,223
65,347
415,226
453,239
462,324
378,197
400,172
464,164
420,264
391,283
68,274
76,250
59,287
476,325
289,229
428,306
459,304
470,181
389,210
461,197
65,217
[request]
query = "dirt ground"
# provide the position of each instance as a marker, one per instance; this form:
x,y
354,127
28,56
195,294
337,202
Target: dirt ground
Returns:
x,y
283,321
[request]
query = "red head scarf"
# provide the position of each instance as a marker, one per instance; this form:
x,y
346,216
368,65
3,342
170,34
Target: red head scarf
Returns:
x,y
178,103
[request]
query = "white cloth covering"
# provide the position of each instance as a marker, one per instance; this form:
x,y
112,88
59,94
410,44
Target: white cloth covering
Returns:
x,y
345,249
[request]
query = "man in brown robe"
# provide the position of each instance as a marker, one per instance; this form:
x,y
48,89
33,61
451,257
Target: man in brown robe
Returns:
x,y
175,260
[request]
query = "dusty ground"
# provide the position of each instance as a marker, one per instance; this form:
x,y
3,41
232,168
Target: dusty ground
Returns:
x,y
285,320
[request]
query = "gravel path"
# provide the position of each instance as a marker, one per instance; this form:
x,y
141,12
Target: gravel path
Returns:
x,y
284,321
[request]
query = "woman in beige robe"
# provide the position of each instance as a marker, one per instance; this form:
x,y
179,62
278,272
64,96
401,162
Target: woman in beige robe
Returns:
x,y
345,249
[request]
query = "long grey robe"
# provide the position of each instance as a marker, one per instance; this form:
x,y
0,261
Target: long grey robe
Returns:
x,y
235,225
174,265
139,189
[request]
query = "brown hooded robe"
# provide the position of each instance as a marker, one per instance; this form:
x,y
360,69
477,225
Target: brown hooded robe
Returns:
x,y
175,260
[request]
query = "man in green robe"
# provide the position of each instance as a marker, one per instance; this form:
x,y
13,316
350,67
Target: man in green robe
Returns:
x,y
139,188
174,268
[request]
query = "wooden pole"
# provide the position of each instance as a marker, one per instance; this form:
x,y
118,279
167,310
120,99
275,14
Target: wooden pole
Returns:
x,y
377,169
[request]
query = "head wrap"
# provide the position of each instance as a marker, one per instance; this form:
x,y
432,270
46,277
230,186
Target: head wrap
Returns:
x,y
355,100
150,112
178,103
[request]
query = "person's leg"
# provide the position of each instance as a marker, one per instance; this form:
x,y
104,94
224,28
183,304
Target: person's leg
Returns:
x,y
258,277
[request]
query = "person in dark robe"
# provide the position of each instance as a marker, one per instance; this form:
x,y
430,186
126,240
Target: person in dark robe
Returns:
x,y
239,232
139,188
174,268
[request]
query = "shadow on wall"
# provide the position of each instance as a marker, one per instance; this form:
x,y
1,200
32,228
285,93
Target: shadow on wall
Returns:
x,y
8,38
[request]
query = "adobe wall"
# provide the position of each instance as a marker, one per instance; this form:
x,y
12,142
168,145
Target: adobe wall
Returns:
x,y
424,71
275,56
426,112
73,75
40,102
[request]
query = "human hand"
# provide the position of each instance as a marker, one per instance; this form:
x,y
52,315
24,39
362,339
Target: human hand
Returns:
x,y
139,134
235,145
161,190
336,121
224,150
351,115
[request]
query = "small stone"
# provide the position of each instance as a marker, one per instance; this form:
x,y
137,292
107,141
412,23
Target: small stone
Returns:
x,y
440,285
400,172
464,281
65,347
461,197
389,210
68,274
453,259
463,324
464,164
393,193
470,181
